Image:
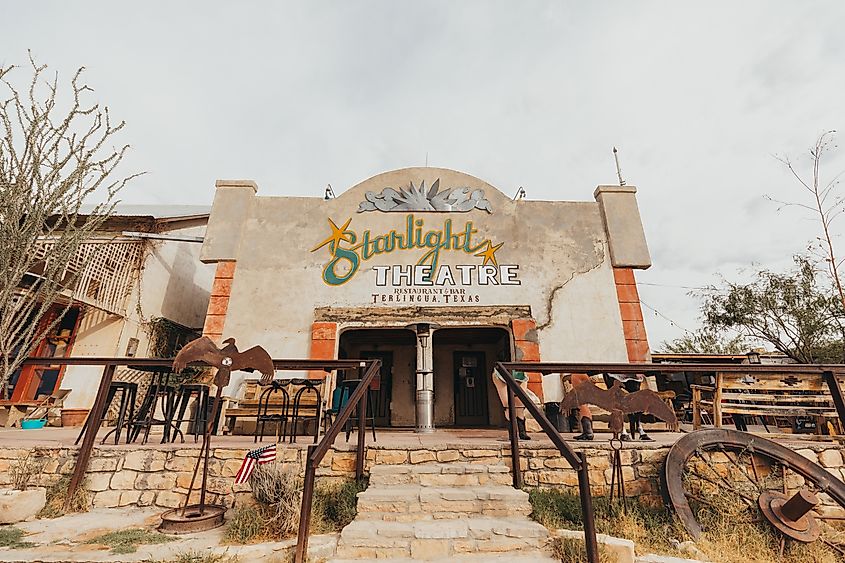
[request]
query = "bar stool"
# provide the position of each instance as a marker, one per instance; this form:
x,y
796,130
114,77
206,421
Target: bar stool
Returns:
x,y
264,416
128,394
158,392
306,386
199,418
349,386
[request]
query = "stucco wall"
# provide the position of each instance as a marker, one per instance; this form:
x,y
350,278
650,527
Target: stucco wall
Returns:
x,y
173,284
560,251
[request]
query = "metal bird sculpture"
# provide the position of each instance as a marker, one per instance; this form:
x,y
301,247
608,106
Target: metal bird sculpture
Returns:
x,y
225,359
618,402
204,516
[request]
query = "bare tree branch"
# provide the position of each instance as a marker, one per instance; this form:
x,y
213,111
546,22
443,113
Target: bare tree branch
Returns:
x,y
51,162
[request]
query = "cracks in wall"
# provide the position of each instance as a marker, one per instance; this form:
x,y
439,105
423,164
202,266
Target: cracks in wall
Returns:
x,y
598,252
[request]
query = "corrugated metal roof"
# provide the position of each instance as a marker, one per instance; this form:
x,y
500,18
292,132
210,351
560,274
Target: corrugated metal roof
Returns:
x,y
156,211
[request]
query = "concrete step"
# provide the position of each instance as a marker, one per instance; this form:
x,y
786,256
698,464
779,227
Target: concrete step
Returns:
x,y
416,502
437,539
441,474
522,557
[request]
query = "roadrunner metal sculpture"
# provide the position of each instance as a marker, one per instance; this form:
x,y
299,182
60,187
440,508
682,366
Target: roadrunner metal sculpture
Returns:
x,y
202,516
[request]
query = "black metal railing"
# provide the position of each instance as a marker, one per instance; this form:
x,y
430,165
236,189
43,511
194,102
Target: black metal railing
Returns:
x,y
95,416
358,399
578,461
316,452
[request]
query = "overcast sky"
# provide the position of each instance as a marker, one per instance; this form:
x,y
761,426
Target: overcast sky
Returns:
x,y
698,96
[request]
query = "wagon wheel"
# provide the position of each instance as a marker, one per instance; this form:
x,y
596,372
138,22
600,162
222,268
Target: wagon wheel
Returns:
x,y
758,476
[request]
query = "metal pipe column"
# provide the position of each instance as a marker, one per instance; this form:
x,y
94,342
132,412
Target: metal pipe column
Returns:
x,y
425,380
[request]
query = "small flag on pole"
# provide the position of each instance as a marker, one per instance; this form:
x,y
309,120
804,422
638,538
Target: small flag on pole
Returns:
x,y
253,458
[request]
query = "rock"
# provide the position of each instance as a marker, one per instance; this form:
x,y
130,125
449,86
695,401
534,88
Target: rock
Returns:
x,y
623,549
17,506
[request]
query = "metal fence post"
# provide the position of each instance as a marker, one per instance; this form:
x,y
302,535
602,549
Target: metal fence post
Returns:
x,y
514,436
95,418
587,513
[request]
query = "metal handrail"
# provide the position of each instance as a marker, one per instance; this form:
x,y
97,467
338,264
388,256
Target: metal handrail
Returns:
x,y
578,461
316,452
110,363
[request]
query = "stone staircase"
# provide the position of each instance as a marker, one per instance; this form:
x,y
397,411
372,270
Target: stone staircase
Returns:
x,y
451,512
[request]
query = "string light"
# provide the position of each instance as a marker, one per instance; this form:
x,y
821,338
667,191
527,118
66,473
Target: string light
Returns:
x,y
673,286
659,314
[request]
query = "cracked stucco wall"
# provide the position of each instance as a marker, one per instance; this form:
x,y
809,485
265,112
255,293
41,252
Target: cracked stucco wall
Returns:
x,y
560,247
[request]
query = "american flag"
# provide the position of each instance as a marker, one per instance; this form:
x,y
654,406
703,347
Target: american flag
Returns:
x,y
251,459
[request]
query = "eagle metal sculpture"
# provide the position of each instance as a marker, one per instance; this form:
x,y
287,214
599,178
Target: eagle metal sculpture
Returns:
x,y
618,402
203,516
225,359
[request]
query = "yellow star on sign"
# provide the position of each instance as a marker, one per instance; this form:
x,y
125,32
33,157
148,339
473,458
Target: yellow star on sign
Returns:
x,y
338,234
489,253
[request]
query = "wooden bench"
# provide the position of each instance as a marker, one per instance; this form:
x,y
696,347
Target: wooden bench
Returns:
x,y
247,406
767,394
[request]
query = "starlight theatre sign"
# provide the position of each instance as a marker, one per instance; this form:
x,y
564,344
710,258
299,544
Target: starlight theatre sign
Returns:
x,y
427,279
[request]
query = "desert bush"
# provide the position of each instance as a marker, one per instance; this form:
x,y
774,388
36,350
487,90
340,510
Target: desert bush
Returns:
x,y
56,496
275,515
26,469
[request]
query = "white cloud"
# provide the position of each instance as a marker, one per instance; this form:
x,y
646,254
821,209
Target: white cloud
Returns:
x,y
697,96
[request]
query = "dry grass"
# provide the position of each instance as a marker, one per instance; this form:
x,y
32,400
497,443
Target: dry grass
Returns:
x,y
56,496
277,491
651,529
26,469
569,550
729,538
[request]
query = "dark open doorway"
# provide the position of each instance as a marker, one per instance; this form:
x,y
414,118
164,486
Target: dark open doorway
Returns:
x,y
463,363
393,391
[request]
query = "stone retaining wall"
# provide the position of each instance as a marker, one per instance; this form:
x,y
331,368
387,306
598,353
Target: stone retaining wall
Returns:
x,y
118,476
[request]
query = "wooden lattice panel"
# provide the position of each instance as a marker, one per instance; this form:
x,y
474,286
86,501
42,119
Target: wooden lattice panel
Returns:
x,y
102,272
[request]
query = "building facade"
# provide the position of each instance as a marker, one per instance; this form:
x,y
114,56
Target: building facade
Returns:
x,y
142,292
435,272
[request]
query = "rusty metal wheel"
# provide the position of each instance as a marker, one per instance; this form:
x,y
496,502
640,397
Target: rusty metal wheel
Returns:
x,y
760,476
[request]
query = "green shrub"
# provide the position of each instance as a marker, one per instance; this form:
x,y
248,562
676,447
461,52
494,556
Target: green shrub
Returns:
x,y
127,541
11,537
335,506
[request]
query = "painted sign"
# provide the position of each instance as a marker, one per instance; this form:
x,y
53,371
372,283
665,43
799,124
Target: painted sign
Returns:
x,y
426,280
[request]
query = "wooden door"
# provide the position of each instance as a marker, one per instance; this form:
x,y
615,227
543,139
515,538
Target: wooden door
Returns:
x,y
382,386
470,389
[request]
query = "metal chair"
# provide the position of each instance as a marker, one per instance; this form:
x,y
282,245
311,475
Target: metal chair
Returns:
x,y
145,419
349,386
125,410
339,398
305,386
264,415
199,417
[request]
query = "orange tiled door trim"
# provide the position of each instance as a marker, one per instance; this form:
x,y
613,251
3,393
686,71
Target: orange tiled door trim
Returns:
x,y
527,347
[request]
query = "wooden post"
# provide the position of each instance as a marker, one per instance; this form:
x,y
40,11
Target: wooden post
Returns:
x,y
362,434
717,402
836,393
696,407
